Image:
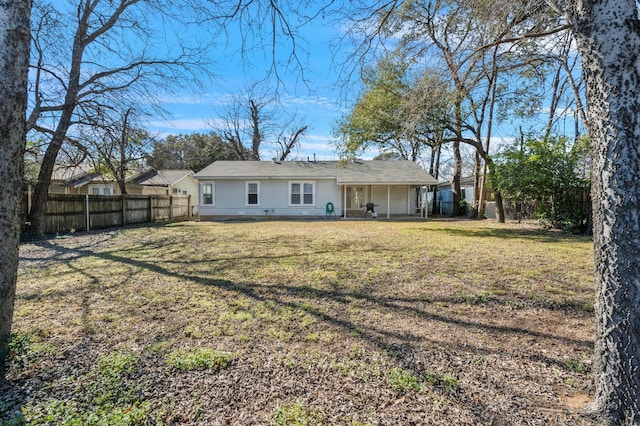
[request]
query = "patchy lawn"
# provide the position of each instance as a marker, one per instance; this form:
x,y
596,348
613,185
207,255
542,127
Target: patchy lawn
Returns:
x,y
303,322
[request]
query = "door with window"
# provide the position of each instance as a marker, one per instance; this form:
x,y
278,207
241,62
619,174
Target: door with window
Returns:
x,y
355,197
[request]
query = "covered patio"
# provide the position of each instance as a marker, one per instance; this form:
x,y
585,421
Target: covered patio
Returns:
x,y
394,192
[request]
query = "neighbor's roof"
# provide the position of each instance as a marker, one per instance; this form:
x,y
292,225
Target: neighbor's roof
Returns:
x,y
358,172
155,177
69,172
76,175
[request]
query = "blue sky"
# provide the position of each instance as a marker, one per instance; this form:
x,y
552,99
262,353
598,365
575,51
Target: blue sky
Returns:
x,y
318,100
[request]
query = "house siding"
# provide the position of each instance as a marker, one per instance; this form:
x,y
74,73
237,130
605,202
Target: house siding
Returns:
x,y
187,184
399,199
230,198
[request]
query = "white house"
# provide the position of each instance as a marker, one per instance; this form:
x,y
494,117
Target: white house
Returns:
x,y
80,179
176,183
163,182
310,188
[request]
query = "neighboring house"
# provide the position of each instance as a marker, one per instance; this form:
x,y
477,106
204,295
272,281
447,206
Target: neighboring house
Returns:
x,y
80,180
444,196
166,182
163,182
310,188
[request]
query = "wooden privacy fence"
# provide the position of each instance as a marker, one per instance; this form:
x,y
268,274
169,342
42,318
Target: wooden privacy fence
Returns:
x,y
66,213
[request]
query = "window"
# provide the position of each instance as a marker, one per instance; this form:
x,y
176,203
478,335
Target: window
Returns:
x,y
100,190
207,193
253,193
301,193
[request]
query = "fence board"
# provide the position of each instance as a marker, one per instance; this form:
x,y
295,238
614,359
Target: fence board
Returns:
x,y
68,213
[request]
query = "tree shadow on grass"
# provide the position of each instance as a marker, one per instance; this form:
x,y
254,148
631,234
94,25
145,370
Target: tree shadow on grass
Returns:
x,y
330,307
536,235
12,397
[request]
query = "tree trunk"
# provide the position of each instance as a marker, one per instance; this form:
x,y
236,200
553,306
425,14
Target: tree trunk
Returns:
x,y
476,186
499,207
455,180
36,216
14,63
436,172
608,37
256,137
40,195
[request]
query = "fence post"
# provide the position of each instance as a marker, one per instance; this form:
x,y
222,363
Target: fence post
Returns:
x,y
170,207
189,206
86,205
123,200
150,208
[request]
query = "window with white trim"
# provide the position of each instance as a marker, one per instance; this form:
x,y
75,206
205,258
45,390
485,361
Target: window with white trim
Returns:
x,y
301,193
206,189
95,189
253,194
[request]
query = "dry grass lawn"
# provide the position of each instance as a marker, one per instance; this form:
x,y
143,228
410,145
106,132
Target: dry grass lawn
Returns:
x,y
304,322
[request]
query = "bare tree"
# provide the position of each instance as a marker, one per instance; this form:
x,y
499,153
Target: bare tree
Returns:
x,y
117,146
253,123
14,64
289,137
97,69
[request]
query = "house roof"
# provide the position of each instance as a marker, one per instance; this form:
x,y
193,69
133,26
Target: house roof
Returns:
x,y
465,182
76,175
155,177
358,172
69,172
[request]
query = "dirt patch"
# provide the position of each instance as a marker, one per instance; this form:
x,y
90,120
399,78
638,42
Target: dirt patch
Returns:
x,y
578,401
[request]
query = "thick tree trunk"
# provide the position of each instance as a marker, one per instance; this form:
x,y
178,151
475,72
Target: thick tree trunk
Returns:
x,y
608,36
39,201
476,185
499,207
14,63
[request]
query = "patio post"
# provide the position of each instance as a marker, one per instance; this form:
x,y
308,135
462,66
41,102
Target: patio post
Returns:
x,y
388,201
426,201
344,196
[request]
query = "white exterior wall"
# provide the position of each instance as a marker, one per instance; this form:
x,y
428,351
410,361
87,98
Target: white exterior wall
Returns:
x,y
187,184
230,198
399,199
